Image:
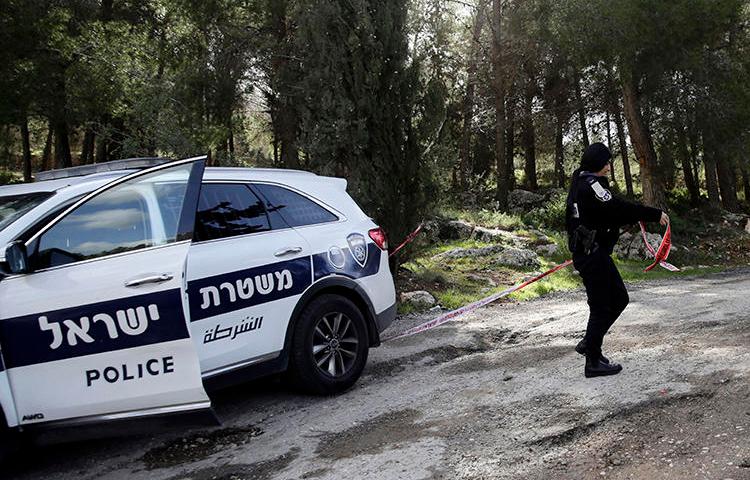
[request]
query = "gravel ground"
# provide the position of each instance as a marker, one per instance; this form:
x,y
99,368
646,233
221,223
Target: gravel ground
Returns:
x,y
498,394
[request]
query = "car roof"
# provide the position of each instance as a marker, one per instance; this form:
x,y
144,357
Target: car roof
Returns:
x,y
96,180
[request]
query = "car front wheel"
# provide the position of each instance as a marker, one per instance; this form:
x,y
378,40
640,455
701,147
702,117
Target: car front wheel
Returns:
x,y
330,345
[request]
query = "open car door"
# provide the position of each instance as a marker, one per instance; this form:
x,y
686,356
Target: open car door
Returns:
x,y
97,328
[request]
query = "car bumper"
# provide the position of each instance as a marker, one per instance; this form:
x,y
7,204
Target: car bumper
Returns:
x,y
386,317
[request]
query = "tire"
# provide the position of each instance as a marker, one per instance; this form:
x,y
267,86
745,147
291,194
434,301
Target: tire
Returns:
x,y
329,346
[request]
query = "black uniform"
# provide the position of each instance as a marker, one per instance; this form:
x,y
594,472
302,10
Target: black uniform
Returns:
x,y
593,220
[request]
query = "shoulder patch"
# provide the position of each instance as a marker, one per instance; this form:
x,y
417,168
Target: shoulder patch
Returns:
x,y
600,192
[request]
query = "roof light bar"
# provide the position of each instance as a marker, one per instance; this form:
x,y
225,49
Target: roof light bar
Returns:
x,y
126,164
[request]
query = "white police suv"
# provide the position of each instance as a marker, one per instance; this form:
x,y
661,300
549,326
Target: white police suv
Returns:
x,y
127,293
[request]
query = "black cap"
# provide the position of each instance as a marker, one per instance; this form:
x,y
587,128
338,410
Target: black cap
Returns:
x,y
596,156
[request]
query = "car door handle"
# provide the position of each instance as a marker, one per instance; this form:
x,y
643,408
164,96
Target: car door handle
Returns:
x,y
287,251
164,277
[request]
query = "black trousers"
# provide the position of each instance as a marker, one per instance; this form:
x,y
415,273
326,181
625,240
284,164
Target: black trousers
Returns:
x,y
607,296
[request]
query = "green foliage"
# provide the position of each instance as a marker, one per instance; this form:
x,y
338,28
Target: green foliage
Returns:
x,y
487,218
550,215
361,93
7,177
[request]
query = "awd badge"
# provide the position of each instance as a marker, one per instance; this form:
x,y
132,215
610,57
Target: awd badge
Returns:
x,y
358,248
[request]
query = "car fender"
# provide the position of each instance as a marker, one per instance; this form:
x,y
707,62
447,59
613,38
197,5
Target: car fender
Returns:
x,y
340,285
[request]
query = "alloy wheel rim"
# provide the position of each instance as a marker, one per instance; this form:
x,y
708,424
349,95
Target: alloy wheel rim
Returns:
x,y
335,344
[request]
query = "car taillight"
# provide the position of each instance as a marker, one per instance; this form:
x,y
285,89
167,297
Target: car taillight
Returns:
x,y
378,236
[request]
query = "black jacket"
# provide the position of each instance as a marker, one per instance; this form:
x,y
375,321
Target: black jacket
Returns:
x,y
591,204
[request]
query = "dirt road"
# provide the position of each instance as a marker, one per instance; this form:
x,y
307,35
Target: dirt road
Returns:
x,y
500,394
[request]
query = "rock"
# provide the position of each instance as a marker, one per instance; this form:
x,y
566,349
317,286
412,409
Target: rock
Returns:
x,y
431,231
546,250
494,235
470,252
747,226
419,299
456,230
481,279
518,257
524,200
734,218
631,245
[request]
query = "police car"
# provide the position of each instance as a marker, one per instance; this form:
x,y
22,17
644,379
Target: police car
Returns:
x,y
128,289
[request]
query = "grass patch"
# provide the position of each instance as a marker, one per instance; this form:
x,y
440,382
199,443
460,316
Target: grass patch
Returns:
x,y
565,279
459,281
487,218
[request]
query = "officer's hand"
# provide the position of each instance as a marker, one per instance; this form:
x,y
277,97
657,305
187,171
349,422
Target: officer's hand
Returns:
x,y
664,219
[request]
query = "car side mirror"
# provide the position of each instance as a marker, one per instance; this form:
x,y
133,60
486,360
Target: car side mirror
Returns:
x,y
17,258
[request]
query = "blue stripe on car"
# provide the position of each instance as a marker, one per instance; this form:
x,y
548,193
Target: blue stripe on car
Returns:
x,y
351,268
211,296
25,342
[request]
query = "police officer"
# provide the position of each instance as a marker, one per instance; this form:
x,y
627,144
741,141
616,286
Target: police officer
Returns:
x,y
593,220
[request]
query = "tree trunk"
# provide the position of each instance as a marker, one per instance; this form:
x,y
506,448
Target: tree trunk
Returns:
x,y
687,170
498,84
101,155
529,137
106,10
63,158
609,145
230,140
667,168
47,152
640,137
284,116
709,162
581,111
694,160
745,180
288,138
624,153
26,149
87,147
102,140
116,139
510,140
468,104
559,151
727,183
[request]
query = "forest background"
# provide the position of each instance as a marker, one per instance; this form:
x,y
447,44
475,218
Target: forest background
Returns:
x,y
420,104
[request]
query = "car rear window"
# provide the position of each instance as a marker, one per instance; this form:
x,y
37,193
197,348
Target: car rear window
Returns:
x,y
13,207
296,209
227,210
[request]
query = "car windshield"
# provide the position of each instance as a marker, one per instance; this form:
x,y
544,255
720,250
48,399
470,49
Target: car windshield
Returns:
x,y
14,206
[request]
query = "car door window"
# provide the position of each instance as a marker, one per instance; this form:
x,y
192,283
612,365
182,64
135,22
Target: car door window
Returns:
x,y
296,209
227,210
127,217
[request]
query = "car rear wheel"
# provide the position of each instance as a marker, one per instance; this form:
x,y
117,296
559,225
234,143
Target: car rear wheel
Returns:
x,y
330,345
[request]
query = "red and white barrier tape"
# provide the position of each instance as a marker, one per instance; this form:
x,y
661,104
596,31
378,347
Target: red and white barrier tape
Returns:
x,y
408,240
448,316
660,255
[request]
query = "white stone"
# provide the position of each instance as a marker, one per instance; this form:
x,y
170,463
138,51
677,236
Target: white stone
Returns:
x,y
517,257
470,252
524,200
419,299
546,250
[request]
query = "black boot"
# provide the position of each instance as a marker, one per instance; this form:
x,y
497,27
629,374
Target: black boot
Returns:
x,y
597,368
581,349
